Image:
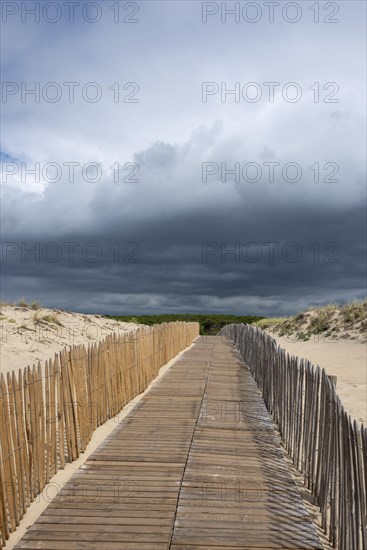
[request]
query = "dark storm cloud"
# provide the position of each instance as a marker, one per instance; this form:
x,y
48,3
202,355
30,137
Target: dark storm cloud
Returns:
x,y
194,256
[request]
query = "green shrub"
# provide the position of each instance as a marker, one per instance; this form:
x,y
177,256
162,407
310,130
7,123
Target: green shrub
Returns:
x,y
304,336
209,324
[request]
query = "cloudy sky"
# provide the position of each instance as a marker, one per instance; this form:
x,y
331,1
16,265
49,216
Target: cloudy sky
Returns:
x,y
175,157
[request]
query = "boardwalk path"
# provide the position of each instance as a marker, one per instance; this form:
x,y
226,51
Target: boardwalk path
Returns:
x,y
197,466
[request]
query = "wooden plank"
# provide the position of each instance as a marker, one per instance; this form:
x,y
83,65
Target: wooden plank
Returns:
x,y
18,474
72,406
48,422
361,465
41,428
8,446
68,411
53,418
60,461
3,476
30,430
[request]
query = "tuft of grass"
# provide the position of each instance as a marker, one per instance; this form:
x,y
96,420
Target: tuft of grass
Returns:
x,y
270,322
354,311
52,319
321,322
33,305
286,328
37,316
300,317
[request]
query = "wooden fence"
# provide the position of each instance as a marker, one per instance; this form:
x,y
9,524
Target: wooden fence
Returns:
x,y
324,443
48,414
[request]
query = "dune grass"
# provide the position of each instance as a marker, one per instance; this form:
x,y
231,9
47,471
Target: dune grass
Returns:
x,y
326,320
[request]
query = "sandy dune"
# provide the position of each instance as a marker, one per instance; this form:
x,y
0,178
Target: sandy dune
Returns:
x,y
30,335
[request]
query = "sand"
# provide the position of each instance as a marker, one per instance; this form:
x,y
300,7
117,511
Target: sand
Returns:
x,y
28,336
346,359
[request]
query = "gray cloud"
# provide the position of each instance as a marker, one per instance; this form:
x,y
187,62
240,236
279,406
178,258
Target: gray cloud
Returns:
x,y
179,228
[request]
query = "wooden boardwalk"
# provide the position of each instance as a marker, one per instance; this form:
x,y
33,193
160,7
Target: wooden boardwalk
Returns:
x,y
197,465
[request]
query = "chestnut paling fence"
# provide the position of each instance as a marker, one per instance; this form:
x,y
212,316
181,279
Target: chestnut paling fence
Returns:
x,y
326,446
48,413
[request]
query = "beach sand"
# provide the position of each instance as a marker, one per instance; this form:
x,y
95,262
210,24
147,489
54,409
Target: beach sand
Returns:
x,y
345,359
